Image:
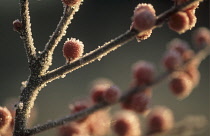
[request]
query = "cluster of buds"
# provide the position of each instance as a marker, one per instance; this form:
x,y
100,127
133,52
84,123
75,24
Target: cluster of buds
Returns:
x,y
183,20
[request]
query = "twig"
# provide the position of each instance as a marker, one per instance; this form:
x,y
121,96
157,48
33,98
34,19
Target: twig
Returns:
x,y
25,32
108,47
60,31
189,126
54,123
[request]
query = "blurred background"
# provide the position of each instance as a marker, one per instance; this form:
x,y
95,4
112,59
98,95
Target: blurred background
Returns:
x,y
97,22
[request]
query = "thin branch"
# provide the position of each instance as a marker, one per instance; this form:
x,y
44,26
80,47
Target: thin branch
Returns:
x,y
60,31
108,47
25,32
202,54
189,126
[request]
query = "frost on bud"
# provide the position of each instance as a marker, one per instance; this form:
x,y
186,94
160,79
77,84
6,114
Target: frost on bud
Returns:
x,y
160,119
126,124
17,25
201,36
144,17
181,85
172,60
179,22
5,118
73,49
71,2
192,18
112,94
143,72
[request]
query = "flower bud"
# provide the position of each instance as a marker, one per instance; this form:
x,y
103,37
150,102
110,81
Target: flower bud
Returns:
x,y
5,118
17,25
112,94
73,49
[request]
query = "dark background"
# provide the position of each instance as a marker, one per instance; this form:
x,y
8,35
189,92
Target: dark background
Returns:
x,y
97,22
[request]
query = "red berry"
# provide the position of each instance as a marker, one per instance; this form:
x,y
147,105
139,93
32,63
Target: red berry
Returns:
x,y
112,94
181,85
143,20
73,49
179,22
126,124
160,119
5,117
17,25
140,102
172,60
201,36
143,72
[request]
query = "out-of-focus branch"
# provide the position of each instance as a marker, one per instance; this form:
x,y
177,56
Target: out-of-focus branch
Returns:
x,y
202,54
189,126
25,32
109,46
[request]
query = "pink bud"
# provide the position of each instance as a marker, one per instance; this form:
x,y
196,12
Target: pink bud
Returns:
x,y
201,36
112,94
5,117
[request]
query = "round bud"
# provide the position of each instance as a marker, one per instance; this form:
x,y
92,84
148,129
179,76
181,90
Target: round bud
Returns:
x,y
126,124
5,117
112,94
181,85
201,36
143,72
73,49
179,22
140,102
160,119
178,45
172,60
143,20
72,129
71,2
17,25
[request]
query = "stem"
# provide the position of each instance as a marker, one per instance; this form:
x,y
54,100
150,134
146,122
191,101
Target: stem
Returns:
x,y
60,31
108,47
54,123
25,32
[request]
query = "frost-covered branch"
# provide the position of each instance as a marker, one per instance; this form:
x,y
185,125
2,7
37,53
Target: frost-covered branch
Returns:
x,y
109,46
25,31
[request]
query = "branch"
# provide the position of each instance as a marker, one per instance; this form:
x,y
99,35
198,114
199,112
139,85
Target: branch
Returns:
x,y
25,32
109,46
189,126
202,54
60,31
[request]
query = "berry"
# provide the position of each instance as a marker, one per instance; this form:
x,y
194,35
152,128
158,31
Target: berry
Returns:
x,y
73,49
140,102
179,22
5,117
143,20
159,119
143,72
201,36
181,85
112,94
172,60
17,25
126,124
